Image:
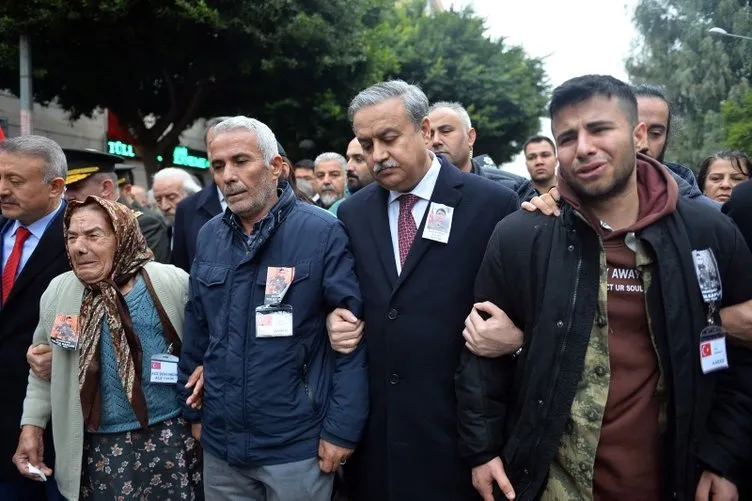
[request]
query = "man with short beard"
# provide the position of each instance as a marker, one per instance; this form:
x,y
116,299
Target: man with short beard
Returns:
x,y
540,160
654,110
358,173
453,136
331,170
281,412
614,392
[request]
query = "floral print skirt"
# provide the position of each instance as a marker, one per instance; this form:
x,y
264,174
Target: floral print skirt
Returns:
x,y
162,463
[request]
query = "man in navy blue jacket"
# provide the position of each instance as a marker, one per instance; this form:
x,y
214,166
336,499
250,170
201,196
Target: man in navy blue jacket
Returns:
x,y
282,411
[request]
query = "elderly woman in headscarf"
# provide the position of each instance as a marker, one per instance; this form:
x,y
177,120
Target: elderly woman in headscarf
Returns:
x,y
115,325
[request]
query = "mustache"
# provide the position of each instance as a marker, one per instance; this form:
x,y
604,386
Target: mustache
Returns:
x,y
234,189
387,164
352,175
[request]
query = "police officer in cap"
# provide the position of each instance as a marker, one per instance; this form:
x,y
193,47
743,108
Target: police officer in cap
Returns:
x,y
91,172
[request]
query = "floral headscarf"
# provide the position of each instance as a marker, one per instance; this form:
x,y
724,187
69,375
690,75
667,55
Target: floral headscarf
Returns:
x,y
104,298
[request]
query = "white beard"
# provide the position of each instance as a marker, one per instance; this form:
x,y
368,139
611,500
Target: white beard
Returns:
x,y
328,198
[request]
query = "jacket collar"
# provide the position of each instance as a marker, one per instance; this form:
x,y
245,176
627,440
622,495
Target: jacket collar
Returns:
x,y
208,200
272,219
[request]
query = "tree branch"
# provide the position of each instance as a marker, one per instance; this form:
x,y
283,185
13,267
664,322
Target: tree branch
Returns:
x,y
163,122
188,115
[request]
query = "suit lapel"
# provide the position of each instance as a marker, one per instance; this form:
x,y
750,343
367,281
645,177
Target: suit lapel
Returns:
x,y
209,201
445,192
48,249
378,217
4,226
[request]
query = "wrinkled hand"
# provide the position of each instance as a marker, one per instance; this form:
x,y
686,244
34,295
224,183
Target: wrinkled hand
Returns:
x,y
485,475
31,450
345,330
39,358
196,431
493,337
331,456
548,203
196,399
713,487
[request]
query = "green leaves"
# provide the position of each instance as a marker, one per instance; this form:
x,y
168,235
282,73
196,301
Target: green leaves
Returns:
x,y
449,56
294,64
737,116
700,71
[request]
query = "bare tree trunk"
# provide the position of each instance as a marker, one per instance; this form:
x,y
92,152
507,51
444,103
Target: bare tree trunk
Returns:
x,y
151,165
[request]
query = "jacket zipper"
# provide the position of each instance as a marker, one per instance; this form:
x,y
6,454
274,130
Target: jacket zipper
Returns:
x,y
562,349
307,388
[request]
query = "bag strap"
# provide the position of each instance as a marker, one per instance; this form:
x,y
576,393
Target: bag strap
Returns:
x,y
170,333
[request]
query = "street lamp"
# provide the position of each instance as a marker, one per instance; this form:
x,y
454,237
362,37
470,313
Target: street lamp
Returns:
x,y
723,33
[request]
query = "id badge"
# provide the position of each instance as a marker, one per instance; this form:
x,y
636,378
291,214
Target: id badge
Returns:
x,y
65,332
164,369
274,321
713,356
439,223
278,280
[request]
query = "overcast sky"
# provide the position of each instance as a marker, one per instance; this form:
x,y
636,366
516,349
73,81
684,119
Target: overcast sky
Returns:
x,y
575,37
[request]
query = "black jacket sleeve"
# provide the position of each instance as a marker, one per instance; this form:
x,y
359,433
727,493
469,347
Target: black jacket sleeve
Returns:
x,y
727,444
154,230
484,385
179,236
739,208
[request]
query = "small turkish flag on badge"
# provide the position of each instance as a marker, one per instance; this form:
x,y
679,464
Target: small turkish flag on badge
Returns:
x,y
705,350
158,365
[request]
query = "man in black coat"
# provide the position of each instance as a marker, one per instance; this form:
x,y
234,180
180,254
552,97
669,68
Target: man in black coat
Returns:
x,y
417,288
625,386
191,214
32,253
196,210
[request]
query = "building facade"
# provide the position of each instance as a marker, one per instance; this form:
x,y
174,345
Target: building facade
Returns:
x,y
96,132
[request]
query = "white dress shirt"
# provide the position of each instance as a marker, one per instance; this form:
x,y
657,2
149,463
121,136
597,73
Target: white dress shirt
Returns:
x,y
222,202
423,191
36,230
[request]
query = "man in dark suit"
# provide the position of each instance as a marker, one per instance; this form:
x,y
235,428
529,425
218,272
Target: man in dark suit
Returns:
x,y
191,214
196,210
32,253
417,289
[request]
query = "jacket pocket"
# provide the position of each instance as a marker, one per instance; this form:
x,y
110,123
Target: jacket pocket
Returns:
x,y
211,275
212,294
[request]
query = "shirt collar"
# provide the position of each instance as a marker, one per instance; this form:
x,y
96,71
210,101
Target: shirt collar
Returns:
x,y
424,189
38,227
220,195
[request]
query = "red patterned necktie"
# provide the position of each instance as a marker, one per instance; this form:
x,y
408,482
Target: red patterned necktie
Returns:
x,y
406,228
11,266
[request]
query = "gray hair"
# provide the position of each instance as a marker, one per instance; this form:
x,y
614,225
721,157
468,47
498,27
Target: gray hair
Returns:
x,y
211,123
190,186
414,100
267,143
457,108
330,156
55,164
